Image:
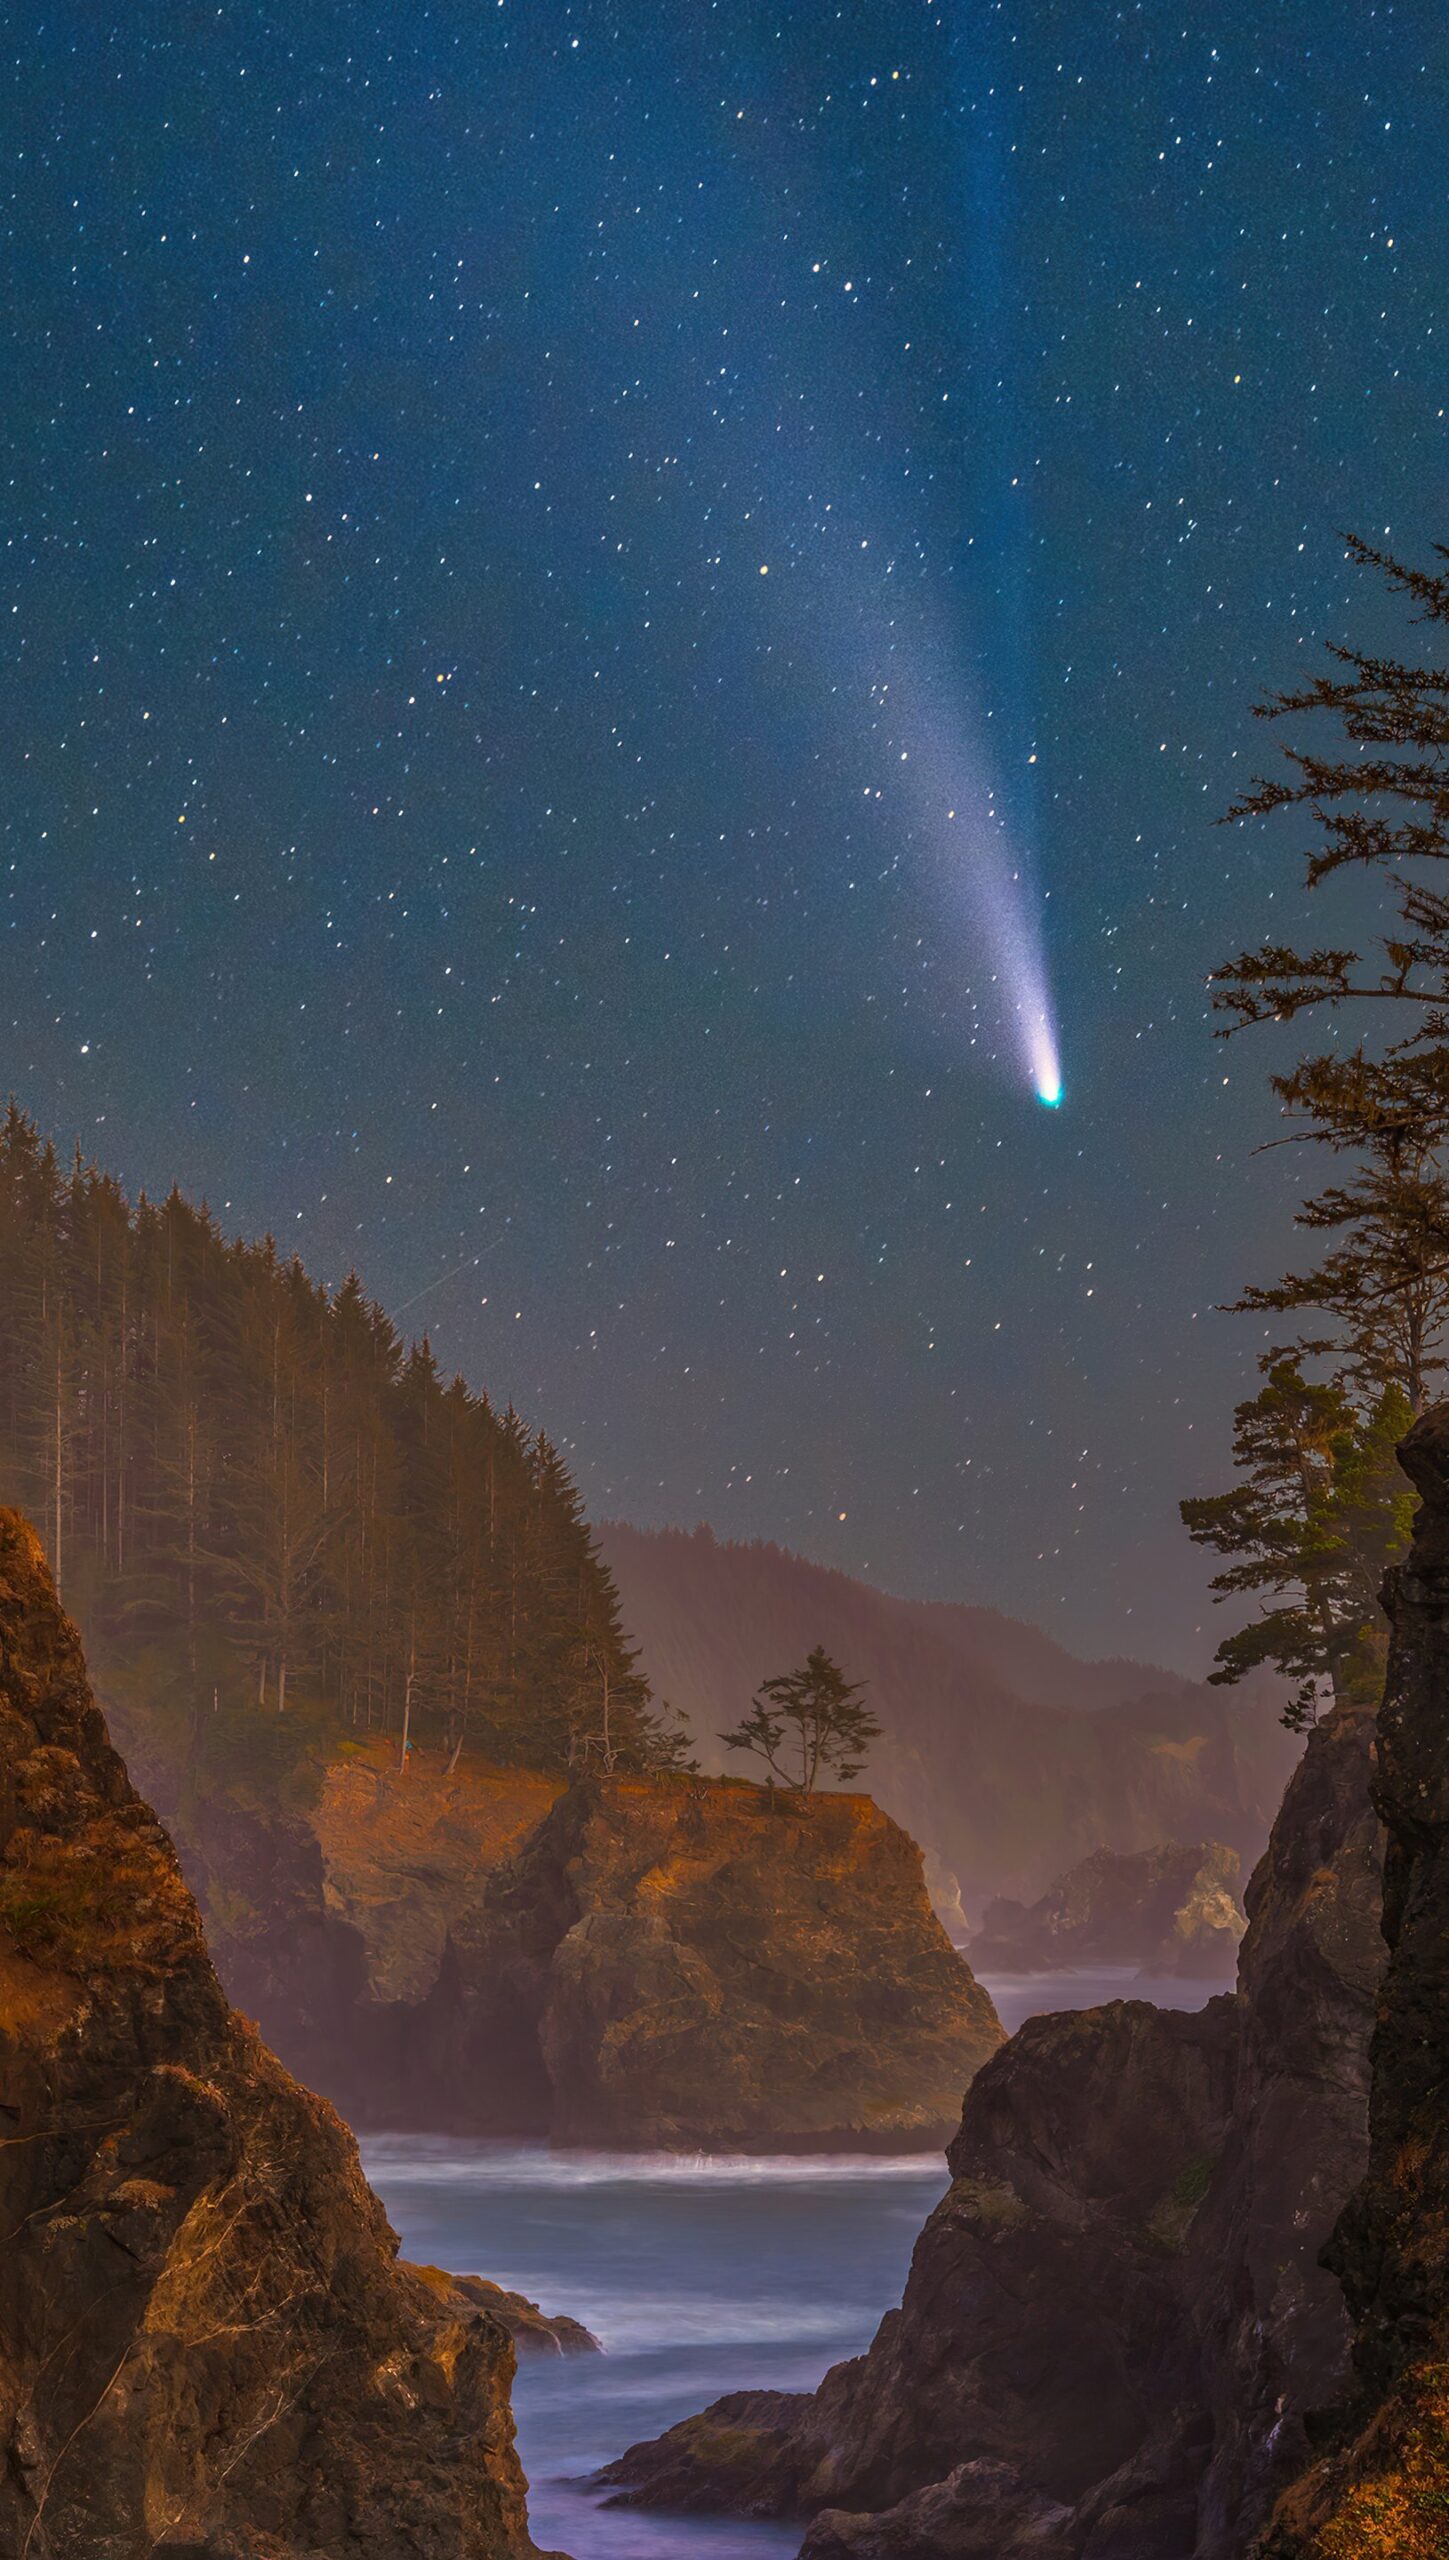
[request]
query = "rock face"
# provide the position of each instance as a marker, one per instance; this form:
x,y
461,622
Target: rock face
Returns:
x,y
1008,1758
1115,2320
284,1955
208,2345
404,1859
1168,1910
1383,2492
691,1965
660,1962
1040,2332
1272,2322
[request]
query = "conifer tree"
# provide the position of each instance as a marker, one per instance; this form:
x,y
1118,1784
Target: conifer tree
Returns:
x,y
1382,1281
250,1485
1319,1513
1380,808
807,1722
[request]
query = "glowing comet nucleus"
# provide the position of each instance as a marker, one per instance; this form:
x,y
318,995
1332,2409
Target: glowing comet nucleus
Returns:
x,y
1033,1012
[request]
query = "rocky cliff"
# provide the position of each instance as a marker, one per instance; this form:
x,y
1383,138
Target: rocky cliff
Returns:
x,y
1382,2492
651,1962
1167,1910
680,1964
404,1858
1007,1757
208,2345
1115,2322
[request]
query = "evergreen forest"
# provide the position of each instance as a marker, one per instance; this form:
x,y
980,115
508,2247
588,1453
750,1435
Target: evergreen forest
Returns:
x,y
272,1516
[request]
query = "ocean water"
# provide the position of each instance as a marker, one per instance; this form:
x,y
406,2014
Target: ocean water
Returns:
x,y
1019,1996
698,2275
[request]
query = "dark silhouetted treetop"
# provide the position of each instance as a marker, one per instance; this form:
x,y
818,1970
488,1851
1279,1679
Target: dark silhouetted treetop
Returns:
x,y
1383,807
1382,1283
1319,1511
807,1724
1318,1514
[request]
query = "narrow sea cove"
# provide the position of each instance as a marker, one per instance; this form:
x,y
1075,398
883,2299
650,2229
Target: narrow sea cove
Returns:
x,y
699,2276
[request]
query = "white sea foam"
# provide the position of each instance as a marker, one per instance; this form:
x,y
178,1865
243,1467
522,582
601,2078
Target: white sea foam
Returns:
x,y
438,2160
644,2323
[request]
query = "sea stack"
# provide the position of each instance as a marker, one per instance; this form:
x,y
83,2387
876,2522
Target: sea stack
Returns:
x,y
661,1963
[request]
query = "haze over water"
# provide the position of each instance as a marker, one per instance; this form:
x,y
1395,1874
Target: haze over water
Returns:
x,y
699,2276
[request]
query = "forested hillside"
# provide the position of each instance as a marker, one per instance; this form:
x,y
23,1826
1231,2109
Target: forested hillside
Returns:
x,y
270,1513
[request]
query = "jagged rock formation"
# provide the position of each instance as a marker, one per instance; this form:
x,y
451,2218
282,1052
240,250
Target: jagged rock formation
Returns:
x,y
1168,1910
650,1961
1115,2320
693,1965
534,2332
1273,2329
1383,2492
1007,1757
208,2345
1041,2324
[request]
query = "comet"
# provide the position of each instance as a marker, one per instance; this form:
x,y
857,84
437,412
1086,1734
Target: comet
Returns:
x,y
982,880
953,779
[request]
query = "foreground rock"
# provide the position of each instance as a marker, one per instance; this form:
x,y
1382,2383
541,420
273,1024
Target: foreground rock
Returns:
x,y
1115,2321
1041,2324
208,2345
695,1966
1167,1910
1383,2492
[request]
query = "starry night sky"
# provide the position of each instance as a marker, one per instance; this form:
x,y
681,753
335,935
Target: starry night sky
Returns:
x,y
428,834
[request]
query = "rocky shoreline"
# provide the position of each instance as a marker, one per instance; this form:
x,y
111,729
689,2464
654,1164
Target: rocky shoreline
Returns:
x,y
1142,2324
1115,2327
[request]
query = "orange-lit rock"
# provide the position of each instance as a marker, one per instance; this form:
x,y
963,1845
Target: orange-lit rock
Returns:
x,y
207,2342
705,1967
665,1961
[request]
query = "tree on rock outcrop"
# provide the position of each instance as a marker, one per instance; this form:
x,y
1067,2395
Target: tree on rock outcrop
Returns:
x,y
815,1717
1318,1512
